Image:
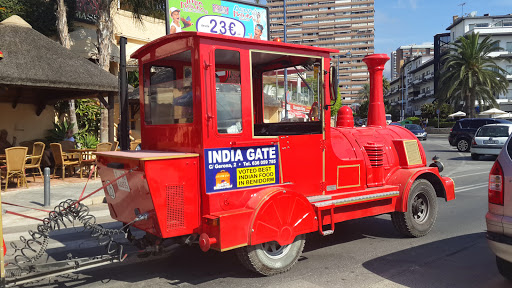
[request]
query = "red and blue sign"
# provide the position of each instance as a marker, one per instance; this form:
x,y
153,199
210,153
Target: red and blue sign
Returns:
x,y
241,167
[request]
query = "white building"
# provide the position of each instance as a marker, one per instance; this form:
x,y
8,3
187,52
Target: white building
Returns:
x,y
414,87
499,28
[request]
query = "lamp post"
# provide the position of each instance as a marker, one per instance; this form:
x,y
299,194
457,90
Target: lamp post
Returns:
x,y
402,88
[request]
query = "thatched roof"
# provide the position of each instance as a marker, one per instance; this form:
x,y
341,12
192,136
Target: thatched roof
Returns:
x,y
37,69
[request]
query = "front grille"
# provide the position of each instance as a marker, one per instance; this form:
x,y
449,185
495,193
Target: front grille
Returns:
x,y
175,207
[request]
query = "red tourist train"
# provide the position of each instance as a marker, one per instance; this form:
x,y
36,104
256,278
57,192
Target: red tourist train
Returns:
x,y
229,161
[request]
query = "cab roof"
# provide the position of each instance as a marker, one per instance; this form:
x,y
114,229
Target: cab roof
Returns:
x,y
261,44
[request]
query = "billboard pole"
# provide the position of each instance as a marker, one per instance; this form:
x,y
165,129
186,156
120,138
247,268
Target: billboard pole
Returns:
x,y
167,23
285,70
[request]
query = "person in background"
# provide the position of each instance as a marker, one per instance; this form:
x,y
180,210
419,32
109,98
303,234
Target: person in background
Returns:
x,y
4,144
69,136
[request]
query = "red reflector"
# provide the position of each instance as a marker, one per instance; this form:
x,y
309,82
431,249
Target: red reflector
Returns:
x,y
474,142
496,184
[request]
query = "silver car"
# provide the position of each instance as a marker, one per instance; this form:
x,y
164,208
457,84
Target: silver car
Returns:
x,y
499,216
489,139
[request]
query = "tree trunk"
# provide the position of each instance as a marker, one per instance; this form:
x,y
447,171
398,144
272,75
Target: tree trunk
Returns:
x,y
104,32
62,29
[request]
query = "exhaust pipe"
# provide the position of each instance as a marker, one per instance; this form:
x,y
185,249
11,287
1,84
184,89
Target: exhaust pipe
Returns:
x,y
376,111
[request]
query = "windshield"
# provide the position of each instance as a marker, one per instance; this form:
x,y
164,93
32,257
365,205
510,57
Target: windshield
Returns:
x,y
413,126
493,131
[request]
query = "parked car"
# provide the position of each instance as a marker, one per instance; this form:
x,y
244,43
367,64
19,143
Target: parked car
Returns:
x,y
499,215
464,130
417,130
490,139
395,123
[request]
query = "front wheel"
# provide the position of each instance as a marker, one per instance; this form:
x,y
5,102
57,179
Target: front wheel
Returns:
x,y
463,145
421,211
504,267
270,258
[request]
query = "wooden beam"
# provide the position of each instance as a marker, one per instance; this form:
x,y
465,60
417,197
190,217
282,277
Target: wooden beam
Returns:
x,y
103,101
110,108
40,108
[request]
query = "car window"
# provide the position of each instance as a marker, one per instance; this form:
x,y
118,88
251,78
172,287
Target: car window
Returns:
x,y
493,131
463,124
412,126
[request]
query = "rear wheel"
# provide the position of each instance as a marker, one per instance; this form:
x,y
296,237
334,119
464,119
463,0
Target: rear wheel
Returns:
x,y
270,258
475,156
421,211
463,145
504,267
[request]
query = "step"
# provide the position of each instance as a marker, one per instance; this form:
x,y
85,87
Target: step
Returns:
x,y
355,199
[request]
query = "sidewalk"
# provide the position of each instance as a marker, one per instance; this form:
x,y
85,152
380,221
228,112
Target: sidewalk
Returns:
x,y
34,197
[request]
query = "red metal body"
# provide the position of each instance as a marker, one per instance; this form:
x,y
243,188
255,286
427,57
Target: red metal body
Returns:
x,y
256,184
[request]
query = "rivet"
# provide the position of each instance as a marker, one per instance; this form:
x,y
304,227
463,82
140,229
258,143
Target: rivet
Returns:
x,y
252,230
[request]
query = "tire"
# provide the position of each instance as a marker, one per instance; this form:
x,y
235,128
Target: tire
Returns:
x,y
463,145
475,156
504,267
270,258
421,211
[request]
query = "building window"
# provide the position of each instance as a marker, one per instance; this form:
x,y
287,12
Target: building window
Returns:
x,y
509,46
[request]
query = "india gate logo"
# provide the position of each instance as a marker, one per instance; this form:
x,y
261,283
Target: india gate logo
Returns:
x,y
222,180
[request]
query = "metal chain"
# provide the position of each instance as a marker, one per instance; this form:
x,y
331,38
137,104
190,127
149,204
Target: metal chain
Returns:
x,y
65,213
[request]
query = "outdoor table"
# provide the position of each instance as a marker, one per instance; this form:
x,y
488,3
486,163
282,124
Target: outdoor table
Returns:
x,y
83,152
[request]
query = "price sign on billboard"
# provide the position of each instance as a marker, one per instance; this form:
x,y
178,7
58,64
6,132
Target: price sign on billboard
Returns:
x,y
222,17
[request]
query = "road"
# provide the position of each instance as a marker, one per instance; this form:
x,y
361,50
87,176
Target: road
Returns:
x,y
361,253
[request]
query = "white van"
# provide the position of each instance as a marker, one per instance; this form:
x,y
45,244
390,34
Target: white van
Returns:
x,y
388,119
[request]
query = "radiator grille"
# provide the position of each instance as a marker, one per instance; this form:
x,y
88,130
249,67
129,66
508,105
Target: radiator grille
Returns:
x,y
375,154
175,207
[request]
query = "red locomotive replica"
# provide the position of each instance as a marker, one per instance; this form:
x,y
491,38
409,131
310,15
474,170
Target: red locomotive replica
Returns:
x,y
225,166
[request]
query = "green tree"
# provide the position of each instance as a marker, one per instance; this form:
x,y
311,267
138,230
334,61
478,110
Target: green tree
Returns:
x,y
470,75
364,93
385,84
363,109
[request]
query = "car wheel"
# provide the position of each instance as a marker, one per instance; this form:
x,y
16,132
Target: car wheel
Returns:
x,y
504,267
421,211
270,258
463,145
475,156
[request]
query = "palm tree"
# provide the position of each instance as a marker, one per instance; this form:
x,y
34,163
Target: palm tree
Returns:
x,y
364,93
62,29
470,74
105,34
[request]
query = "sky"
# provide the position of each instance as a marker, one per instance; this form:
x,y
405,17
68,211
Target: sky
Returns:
x,y
405,22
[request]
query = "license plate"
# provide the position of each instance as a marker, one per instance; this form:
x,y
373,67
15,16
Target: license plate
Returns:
x,y
491,141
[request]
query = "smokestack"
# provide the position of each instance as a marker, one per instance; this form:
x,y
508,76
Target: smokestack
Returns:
x,y
455,17
376,111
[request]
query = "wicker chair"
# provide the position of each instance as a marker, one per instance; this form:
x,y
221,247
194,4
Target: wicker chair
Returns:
x,y
35,159
134,144
66,146
101,147
15,160
115,144
60,160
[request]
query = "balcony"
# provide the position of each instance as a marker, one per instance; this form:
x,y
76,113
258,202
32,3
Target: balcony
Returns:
x,y
421,95
428,77
416,82
429,93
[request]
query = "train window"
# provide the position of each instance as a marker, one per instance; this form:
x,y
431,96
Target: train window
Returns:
x,y
228,91
168,99
287,91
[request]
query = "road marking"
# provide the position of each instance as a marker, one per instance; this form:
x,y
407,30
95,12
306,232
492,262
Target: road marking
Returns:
x,y
471,187
458,176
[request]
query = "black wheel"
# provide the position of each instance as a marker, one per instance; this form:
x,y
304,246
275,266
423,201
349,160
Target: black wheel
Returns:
x,y
421,211
504,267
475,156
270,258
463,145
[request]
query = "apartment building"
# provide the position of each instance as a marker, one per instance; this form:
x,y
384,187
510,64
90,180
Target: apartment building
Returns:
x,y
345,25
499,28
403,53
414,87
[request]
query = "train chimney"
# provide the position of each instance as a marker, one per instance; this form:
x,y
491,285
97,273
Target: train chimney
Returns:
x,y
376,111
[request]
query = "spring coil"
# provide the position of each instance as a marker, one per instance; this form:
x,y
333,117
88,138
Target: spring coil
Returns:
x,y
65,213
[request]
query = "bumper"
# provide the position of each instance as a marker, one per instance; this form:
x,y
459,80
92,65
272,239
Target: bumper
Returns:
x,y
486,150
451,140
501,245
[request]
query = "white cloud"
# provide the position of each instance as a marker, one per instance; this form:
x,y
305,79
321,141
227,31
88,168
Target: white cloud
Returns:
x,y
413,4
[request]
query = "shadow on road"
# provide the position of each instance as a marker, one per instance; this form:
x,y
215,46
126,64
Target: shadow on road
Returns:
x,y
454,262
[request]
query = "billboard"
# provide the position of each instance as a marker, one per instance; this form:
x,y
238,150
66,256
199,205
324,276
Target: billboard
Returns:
x,y
232,18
